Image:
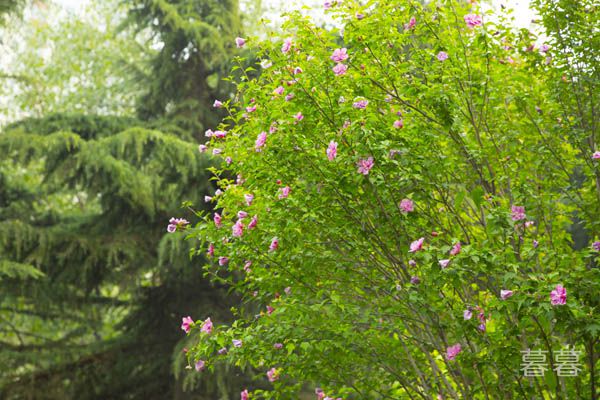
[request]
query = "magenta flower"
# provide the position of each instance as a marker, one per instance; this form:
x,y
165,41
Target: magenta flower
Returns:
x,y
473,20
299,117
237,229
272,375
244,395
332,150
279,90
218,220
260,141
558,296
455,249
217,104
340,69
207,326
274,244
253,222
186,323
411,23
505,294
237,343
467,314
285,192
517,213
416,245
200,365
223,261
365,165
270,310
248,198
360,104
399,124
442,56
240,42
211,250
339,55
220,134
407,205
452,351
242,214
444,263
596,155
287,45
202,148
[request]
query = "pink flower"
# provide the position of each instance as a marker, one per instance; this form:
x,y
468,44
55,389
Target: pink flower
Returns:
x,y
544,48
265,64
207,326
365,165
207,199
272,375
415,280
171,228
467,314
285,192
242,214
200,365
278,346
289,97
339,55
236,343
222,351
517,213
596,246
558,296
398,124
359,16
248,198
452,351
407,205
444,263
270,310
332,150
412,263
411,24
208,133
260,141
279,90
220,134
288,290
442,56
202,148
287,45
360,104
217,104
218,220
416,245
473,20
455,249
340,69
596,155
211,250
216,152
244,395
251,108
505,294
240,42
186,322
238,229
253,222
247,267
274,244
299,117
327,5
223,261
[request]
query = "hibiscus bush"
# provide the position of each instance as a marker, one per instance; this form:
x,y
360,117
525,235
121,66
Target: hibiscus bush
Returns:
x,y
406,208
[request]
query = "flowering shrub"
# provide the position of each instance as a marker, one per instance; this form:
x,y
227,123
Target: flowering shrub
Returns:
x,y
394,179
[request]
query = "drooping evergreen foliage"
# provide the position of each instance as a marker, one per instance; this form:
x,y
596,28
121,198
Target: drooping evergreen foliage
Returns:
x,y
197,40
93,287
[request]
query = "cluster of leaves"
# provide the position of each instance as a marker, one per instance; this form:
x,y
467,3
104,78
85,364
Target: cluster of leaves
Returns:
x,y
358,176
